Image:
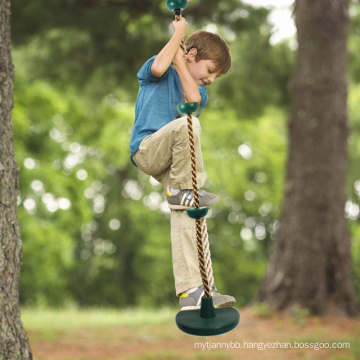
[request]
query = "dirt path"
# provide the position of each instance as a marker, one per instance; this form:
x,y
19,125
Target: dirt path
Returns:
x,y
159,342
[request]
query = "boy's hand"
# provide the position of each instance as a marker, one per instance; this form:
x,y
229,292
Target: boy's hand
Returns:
x,y
179,57
180,27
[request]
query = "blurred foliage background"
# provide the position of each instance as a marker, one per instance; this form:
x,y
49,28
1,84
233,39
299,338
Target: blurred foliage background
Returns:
x,y
96,231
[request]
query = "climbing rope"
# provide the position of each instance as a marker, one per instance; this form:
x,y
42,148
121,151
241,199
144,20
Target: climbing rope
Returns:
x,y
202,241
207,321
206,248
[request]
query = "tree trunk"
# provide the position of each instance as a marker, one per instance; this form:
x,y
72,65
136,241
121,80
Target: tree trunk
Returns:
x,y
14,344
311,261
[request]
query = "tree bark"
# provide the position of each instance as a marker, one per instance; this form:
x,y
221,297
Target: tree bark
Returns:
x,y
310,263
14,344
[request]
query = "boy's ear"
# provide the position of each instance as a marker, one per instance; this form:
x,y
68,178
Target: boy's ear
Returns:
x,y
191,54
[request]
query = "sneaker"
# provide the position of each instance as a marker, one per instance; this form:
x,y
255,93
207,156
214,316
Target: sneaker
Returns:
x,y
221,301
192,301
184,199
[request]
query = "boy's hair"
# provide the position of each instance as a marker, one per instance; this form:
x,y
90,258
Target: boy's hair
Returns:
x,y
210,46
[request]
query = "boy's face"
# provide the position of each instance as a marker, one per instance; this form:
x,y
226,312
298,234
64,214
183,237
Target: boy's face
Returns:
x,y
204,71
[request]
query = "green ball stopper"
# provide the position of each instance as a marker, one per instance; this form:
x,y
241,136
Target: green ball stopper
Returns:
x,y
196,213
188,108
176,4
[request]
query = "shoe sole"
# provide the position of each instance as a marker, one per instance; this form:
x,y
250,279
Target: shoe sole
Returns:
x,y
225,305
183,207
189,308
218,306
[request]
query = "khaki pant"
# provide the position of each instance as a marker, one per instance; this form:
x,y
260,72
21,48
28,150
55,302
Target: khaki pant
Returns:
x,y
165,155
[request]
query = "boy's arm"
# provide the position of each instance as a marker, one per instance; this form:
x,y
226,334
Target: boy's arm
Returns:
x,y
188,84
167,54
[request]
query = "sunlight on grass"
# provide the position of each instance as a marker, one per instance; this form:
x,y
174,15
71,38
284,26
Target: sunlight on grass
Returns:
x,y
40,319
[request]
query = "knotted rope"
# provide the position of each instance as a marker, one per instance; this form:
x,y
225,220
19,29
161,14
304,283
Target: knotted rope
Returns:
x,y
202,241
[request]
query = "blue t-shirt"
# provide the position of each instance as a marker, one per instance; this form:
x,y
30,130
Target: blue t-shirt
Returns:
x,y
157,101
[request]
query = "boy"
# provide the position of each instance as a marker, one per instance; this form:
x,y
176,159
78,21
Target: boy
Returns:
x,y
159,143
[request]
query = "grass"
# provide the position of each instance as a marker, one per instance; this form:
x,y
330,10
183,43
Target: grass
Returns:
x,y
171,355
98,325
145,334
262,310
65,319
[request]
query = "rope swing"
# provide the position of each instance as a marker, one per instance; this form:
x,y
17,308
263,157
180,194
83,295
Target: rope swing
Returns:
x,y
207,321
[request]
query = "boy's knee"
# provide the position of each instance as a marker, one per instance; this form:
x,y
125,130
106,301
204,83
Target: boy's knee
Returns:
x,y
183,124
196,122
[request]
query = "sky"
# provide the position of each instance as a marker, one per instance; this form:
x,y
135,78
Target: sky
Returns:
x,y
280,17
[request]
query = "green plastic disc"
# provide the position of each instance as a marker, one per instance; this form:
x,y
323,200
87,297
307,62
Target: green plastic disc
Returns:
x,y
207,321
197,213
188,108
176,4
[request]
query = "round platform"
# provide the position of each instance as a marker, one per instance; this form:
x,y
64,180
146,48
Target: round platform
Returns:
x,y
207,321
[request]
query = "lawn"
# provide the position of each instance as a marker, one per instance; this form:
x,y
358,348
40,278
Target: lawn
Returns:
x,y
136,334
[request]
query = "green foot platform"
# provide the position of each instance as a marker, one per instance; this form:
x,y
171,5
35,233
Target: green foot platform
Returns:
x,y
207,321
